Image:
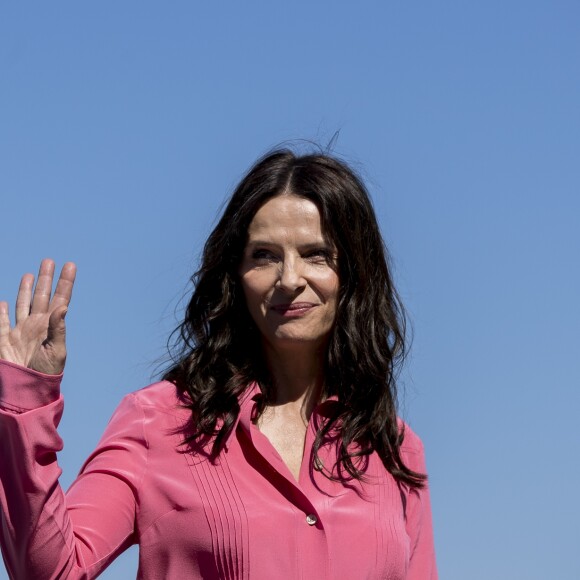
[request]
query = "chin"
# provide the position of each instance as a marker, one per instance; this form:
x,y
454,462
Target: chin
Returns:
x,y
288,340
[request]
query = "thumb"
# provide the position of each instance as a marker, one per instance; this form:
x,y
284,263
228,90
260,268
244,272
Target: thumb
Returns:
x,y
56,327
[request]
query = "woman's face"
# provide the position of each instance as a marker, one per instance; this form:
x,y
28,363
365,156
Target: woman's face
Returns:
x,y
289,273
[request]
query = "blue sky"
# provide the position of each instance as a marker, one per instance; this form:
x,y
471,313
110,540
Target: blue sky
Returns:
x,y
123,127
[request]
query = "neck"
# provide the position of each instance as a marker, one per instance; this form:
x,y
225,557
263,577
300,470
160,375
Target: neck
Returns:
x,y
297,377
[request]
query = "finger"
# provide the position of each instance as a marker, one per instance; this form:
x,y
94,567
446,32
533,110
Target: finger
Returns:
x,y
64,286
4,320
24,296
41,297
57,330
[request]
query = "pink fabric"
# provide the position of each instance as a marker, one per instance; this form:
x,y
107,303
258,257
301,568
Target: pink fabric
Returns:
x,y
244,517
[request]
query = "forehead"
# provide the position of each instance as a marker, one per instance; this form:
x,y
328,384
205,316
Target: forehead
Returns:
x,y
286,217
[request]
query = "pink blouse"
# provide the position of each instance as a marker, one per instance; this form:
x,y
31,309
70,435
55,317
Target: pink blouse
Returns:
x,y
241,517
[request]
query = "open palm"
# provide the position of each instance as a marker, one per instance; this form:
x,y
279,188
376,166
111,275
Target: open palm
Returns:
x,y
37,340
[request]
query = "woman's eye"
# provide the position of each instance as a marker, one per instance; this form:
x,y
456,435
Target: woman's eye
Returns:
x,y
320,255
263,256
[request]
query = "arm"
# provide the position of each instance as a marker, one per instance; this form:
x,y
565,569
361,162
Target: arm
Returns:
x,y
419,523
44,534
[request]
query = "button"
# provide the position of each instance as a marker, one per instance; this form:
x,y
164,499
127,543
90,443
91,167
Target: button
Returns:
x,y
311,519
318,465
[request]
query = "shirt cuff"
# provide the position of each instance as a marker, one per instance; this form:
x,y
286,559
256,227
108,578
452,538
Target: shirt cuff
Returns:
x,y
22,389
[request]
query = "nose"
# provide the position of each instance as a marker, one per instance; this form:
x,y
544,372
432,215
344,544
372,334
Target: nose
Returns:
x,y
290,278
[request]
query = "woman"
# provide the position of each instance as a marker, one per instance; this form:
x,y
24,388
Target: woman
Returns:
x,y
271,449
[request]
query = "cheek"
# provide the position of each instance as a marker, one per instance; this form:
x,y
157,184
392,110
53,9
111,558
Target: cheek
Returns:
x,y
333,290
254,292
329,285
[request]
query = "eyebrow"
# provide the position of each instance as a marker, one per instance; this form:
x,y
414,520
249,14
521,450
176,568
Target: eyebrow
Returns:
x,y
309,246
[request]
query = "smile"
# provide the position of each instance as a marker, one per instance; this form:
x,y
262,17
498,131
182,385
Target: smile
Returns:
x,y
293,310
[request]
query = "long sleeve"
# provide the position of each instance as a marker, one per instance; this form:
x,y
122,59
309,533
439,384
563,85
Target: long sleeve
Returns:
x,y
419,523
45,534
192,517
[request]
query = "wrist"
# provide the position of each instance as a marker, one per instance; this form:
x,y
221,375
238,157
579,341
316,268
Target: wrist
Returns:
x,y
23,389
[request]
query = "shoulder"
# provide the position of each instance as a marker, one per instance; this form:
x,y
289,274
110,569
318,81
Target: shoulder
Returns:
x,y
162,395
412,450
150,415
411,441
156,402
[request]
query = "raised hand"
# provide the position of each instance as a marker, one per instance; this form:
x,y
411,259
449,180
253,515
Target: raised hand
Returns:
x,y
37,341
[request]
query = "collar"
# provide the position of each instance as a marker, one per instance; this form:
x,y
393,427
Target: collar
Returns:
x,y
248,401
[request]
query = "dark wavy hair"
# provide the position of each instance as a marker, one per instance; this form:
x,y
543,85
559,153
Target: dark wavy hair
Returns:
x,y
217,349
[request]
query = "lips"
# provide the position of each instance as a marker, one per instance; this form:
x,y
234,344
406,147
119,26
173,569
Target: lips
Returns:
x,y
293,309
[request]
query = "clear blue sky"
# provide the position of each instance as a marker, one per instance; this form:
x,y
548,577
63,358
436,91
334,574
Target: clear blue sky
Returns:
x,y
123,126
